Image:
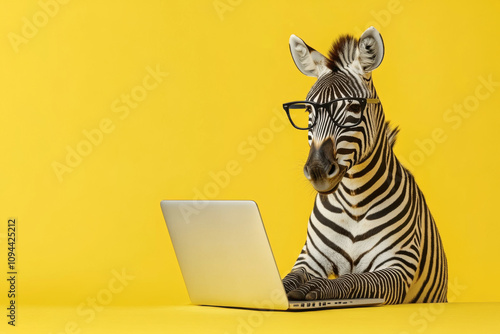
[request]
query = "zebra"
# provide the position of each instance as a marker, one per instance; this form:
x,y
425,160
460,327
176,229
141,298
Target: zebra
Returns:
x,y
370,233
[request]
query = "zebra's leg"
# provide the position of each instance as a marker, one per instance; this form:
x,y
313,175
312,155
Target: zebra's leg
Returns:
x,y
390,284
296,278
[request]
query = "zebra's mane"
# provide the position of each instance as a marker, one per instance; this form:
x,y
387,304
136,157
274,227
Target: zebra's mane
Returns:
x,y
342,53
391,133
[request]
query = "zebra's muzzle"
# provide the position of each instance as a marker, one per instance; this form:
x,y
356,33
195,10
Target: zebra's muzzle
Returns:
x,y
322,169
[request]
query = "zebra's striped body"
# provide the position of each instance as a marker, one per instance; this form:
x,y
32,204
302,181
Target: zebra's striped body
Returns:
x,y
370,233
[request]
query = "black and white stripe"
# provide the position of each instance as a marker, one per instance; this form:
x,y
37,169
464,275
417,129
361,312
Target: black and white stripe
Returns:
x,y
373,236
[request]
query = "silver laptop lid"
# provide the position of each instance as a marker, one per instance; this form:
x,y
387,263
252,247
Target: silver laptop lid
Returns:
x,y
224,254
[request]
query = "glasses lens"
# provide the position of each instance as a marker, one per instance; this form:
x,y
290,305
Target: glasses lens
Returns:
x,y
347,112
301,114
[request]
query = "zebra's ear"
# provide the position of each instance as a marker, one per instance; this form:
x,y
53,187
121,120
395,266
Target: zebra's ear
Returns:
x,y
308,61
371,50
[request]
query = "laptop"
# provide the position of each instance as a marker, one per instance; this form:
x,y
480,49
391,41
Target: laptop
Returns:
x,y
226,259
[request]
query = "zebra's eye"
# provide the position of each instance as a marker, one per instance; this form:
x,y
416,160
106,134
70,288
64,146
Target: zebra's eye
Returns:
x,y
354,108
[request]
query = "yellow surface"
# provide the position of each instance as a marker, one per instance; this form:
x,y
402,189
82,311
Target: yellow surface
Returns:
x,y
398,319
182,100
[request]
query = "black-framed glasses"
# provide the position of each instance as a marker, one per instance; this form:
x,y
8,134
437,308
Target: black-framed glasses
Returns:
x,y
345,112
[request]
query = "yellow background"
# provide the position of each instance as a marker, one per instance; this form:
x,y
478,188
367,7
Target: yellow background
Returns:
x,y
229,71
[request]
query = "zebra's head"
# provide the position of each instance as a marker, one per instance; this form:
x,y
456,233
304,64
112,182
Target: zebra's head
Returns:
x,y
341,112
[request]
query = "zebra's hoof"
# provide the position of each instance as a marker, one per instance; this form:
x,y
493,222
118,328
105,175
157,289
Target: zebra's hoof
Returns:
x,y
295,295
313,295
